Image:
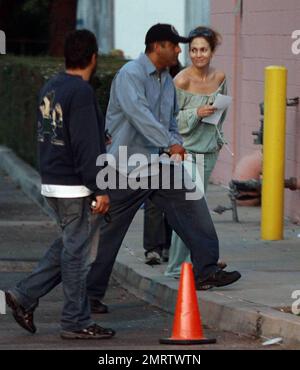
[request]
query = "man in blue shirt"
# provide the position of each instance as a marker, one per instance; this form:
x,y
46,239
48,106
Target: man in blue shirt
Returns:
x,y
141,118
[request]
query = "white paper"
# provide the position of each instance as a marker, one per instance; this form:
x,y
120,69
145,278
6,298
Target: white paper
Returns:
x,y
222,102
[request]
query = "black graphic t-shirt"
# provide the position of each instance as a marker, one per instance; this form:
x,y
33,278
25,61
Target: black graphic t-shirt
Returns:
x,y
70,132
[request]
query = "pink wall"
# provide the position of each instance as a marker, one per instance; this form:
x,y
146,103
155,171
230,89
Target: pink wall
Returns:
x,y
261,36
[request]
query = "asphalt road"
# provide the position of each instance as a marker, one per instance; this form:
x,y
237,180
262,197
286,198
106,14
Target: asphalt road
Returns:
x,y
25,232
138,326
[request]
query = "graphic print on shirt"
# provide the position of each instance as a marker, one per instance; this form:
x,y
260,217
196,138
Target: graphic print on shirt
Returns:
x,y
52,120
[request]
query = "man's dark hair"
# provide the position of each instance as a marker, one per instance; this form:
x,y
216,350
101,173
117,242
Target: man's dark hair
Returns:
x,y
80,45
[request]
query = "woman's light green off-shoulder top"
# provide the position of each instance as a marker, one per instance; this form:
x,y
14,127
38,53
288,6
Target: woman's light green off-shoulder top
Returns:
x,y
199,137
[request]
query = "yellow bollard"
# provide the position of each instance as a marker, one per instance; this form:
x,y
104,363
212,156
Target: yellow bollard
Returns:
x,y
273,153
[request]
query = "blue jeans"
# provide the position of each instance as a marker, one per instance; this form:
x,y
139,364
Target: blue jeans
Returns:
x,y
66,261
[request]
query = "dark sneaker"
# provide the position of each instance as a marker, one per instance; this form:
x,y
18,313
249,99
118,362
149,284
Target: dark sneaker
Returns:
x,y
92,332
23,318
152,258
97,306
218,279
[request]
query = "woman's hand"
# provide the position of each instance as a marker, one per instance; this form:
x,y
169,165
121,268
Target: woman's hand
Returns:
x,y
205,111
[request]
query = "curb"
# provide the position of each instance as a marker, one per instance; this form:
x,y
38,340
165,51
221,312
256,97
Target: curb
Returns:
x,y
218,310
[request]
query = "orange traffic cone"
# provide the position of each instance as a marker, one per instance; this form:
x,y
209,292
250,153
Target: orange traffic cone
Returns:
x,y
187,325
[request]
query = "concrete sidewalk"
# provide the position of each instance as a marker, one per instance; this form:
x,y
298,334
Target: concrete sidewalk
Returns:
x,y
270,270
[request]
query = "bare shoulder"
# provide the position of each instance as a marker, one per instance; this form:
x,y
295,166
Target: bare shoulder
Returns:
x,y
220,76
182,80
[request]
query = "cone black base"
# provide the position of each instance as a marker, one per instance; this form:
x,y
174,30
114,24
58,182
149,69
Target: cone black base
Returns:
x,y
187,341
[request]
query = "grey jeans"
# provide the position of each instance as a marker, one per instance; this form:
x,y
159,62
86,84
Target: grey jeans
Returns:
x,y
66,261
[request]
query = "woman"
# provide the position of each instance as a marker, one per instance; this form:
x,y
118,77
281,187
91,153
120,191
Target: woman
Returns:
x,y
197,87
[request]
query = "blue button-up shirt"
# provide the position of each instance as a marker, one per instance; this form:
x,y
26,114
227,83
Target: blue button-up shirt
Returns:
x,y
142,109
